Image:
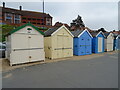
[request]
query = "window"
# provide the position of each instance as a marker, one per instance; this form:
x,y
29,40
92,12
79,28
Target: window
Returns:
x,y
33,22
17,21
29,18
48,24
42,23
24,18
42,20
17,16
8,16
38,19
33,19
9,20
24,22
38,23
48,19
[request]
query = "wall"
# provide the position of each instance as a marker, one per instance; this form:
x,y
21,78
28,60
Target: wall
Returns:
x,y
47,46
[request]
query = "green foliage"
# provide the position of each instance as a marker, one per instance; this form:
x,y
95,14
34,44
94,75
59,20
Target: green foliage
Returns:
x,y
42,28
5,29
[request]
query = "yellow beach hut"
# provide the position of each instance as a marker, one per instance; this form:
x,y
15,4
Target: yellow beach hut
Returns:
x,y
58,43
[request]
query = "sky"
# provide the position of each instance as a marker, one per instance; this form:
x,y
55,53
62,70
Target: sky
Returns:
x,y
95,15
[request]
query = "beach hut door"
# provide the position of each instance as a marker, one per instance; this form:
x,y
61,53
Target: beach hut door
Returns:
x,y
100,44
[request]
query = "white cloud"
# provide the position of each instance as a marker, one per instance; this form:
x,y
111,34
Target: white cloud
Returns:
x,y
95,14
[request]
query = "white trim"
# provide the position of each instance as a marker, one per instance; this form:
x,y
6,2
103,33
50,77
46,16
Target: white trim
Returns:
x,y
63,26
110,35
84,31
117,36
99,33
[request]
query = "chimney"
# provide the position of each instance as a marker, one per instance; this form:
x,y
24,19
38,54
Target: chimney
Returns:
x,y
3,4
20,8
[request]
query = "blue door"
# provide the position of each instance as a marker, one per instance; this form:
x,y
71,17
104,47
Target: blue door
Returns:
x,y
88,46
81,49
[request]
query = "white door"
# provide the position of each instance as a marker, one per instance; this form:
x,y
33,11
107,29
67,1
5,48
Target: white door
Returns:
x,y
27,48
19,53
19,56
20,41
100,44
109,44
36,52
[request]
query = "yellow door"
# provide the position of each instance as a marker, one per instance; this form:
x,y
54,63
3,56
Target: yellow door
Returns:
x,y
59,48
66,46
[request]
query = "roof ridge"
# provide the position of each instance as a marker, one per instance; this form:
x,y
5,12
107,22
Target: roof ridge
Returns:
x,y
20,27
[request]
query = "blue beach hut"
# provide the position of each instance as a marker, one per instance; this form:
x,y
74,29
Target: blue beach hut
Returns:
x,y
98,41
118,42
115,44
82,43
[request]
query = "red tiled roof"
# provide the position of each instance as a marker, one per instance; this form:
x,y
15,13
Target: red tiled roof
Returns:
x,y
116,32
58,24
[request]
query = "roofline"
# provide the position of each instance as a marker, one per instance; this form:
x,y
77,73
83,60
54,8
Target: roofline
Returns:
x,y
110,33
20,27
84,31
63,26
99,33
117,36
26,11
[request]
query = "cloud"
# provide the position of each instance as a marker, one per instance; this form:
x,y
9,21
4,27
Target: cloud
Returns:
x,y
94,14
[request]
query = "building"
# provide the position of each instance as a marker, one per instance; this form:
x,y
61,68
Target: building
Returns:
x,y
82,44
58,43
19,17
59,24
109,41
118,42
115,44
98,42
25,44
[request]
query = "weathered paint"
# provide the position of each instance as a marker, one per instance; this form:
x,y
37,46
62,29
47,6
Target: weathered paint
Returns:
x,y
83,44
95,44
25,46
59,45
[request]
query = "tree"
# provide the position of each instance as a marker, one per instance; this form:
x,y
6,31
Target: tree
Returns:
x,y
5,29
78,23
102,29
113,30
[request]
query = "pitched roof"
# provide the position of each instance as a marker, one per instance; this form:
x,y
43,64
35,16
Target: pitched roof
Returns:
x,y
58,24
50,31
53,30
115,35
28,24
106,33
77,32
94,33
25,12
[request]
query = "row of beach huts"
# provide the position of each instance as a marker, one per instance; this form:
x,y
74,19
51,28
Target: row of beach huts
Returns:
x,y
28,44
